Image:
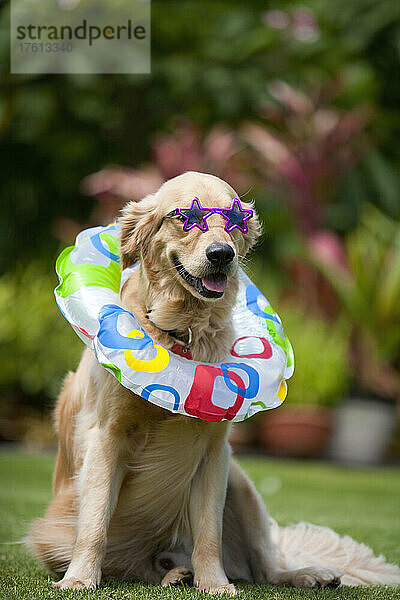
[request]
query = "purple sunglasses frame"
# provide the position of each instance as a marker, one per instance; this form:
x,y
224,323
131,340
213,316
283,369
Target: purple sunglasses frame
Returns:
x,y
211,211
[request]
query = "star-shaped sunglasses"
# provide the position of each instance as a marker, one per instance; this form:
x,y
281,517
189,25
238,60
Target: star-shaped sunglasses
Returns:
x,y
197,215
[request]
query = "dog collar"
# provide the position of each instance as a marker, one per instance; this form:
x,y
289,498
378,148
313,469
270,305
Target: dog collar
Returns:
x,y
250,379
182,349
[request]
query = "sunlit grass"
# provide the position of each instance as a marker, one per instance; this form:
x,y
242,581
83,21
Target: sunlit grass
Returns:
x,y
360,502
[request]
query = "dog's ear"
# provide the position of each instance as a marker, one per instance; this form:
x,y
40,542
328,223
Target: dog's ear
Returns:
x,y
138,225
254,228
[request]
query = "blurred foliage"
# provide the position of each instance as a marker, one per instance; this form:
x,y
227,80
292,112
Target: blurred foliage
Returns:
x,y
37,346
322,373
366,278
292,71
211,62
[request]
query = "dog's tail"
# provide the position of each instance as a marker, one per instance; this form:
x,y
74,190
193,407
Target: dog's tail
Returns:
x,y
305,545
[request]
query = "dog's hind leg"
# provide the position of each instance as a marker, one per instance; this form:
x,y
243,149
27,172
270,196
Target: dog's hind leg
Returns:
x,y
248,549
69,404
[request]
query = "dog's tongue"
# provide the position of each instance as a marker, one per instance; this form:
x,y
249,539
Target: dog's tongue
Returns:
x,y
215,284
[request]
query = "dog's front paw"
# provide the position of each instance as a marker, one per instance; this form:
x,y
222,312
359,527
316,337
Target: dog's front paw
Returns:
x,y
227,588
78,580
316,577
73,583
177,576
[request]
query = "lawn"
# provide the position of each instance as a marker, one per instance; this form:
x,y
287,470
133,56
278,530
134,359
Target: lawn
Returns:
x,y
361,502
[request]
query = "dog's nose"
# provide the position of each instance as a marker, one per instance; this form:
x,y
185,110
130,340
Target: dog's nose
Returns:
x,y
219,254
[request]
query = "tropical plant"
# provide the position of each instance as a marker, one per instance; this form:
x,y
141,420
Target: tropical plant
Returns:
x,y
365,274
304,147
322,371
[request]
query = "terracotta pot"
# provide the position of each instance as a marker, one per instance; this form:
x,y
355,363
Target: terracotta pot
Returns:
x,y
297,430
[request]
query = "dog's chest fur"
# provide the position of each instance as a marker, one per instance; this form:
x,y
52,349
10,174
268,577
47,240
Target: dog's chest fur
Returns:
x,y
163,463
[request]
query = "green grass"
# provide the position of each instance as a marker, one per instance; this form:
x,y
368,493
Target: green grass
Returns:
x,y
361,502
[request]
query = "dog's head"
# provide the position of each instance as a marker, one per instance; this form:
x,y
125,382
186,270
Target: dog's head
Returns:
x,y
198,249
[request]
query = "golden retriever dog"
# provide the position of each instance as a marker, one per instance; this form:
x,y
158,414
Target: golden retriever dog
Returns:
x,y
143,494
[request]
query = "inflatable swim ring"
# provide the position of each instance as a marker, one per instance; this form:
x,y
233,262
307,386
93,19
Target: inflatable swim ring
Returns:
x,y
252,378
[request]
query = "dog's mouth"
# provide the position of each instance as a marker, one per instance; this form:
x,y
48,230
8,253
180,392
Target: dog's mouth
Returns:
x,y
212,286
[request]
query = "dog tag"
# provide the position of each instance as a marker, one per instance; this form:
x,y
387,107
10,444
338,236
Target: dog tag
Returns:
x,y
181,351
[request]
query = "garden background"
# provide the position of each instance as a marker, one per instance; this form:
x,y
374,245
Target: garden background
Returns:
x,y
296,105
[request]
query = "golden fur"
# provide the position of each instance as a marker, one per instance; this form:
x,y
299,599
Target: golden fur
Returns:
x,y
139,492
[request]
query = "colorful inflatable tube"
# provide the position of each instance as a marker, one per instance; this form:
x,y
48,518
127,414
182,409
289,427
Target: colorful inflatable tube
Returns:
x,y
252,378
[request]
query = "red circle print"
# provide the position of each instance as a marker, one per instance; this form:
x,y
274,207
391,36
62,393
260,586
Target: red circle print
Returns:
x,y
266,353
